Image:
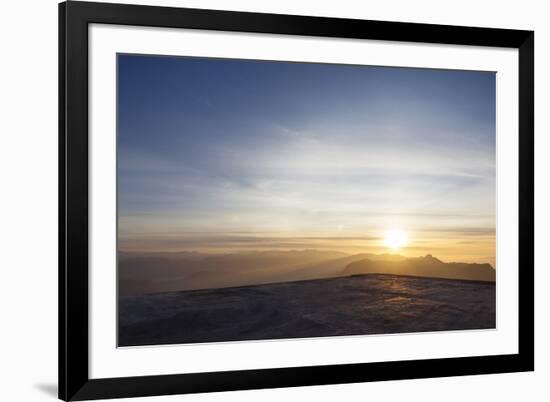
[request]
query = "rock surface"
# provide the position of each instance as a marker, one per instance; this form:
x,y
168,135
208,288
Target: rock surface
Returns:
x,y
354,305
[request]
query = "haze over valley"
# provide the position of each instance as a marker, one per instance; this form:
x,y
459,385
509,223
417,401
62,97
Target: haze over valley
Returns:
x,y
168,272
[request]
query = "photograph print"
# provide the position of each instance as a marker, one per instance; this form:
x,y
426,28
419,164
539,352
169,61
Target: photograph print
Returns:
x,y
279,200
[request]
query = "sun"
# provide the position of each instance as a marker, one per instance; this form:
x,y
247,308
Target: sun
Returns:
x,y
395,239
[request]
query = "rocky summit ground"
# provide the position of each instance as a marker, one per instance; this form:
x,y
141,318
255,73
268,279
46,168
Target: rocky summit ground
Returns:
x,y
354,305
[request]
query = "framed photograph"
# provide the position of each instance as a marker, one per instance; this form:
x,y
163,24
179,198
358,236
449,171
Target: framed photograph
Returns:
x,y
257,201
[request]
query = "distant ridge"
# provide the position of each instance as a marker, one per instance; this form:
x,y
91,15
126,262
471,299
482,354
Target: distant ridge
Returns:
x,y
427,266
167,272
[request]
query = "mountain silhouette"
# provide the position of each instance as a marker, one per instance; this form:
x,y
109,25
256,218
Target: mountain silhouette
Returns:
x,y
167,272
427,266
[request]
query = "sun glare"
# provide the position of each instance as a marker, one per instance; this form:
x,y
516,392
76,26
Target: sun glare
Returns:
x,y
395,239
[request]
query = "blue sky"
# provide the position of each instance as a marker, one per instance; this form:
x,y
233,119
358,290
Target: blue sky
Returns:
x,y
214,149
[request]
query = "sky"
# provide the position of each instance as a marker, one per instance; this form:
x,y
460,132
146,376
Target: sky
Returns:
x,y
221,155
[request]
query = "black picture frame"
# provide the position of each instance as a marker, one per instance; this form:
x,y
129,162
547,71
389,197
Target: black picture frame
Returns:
x,y
74,381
